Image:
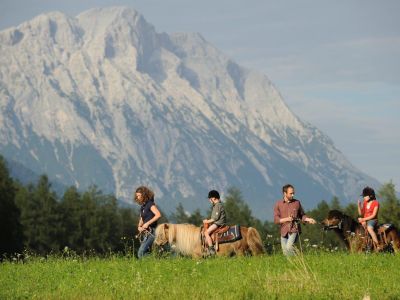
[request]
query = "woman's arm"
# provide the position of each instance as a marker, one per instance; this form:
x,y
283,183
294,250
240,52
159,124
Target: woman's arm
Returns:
x,y
359,208
157,215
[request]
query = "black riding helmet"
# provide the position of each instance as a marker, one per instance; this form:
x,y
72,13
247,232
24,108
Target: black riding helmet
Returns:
x,y
213,194
368,191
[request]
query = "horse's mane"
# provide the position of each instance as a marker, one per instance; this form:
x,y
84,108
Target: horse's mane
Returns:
x,y
185,237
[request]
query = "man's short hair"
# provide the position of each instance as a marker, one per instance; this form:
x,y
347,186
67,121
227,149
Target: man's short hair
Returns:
x,y
286,186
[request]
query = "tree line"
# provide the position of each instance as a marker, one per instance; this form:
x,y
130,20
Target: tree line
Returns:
x,y
33,217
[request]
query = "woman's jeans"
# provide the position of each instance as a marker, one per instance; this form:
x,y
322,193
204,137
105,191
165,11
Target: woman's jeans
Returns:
x,y
287,243
145,246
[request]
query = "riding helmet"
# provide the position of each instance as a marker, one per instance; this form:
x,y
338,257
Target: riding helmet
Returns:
x,y
368,191
213,194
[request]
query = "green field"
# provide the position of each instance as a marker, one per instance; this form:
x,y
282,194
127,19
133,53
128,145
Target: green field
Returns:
x,y
312,276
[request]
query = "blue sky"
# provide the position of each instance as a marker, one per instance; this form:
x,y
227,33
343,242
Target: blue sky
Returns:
x,y
336,63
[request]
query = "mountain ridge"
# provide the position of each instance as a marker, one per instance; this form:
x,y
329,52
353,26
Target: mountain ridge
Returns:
x,y
104,99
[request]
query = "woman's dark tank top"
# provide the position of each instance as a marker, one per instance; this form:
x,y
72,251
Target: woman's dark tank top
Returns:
x,y
146,214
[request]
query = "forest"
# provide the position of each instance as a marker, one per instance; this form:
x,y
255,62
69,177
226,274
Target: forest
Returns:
x,y
34,218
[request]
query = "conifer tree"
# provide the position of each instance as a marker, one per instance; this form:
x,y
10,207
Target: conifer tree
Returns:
x,y
72,231
389,210
10,227
47,224
196,218
180,216
237,211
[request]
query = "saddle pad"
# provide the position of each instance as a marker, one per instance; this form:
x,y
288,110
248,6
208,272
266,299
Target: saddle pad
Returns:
x,y
231,235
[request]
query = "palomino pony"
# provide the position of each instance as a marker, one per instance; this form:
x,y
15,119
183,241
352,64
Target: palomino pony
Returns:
x,y
352,233
186,239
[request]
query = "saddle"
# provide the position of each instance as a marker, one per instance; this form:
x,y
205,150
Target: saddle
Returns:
x,y
224,234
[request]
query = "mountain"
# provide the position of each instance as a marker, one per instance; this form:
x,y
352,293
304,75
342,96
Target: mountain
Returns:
x,y
104,99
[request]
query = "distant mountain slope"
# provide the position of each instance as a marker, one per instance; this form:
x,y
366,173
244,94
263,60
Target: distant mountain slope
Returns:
x,y
104,99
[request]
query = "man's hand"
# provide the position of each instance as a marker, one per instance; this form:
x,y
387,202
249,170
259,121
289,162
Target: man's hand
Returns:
x,y
310,221
287,219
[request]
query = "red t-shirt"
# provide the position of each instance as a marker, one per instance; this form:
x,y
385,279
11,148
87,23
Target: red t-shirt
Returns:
x,y
368,208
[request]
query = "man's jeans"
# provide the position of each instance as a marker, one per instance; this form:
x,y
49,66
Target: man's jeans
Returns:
x,y
145,246
287,243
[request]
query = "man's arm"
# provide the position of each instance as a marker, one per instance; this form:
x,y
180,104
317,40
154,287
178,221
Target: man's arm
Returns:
x,y
277,216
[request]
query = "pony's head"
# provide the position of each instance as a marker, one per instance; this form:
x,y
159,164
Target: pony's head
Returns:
x,y
333,220
162,234
182,238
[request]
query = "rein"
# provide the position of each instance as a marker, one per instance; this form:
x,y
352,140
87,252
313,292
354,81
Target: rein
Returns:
x,y
143,235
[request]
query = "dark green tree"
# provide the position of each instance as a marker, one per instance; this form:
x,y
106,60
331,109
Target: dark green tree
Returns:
x,y
389,211
237,211
40,216
335,204
351,210
101,225
71,207
47,229
196,218
129,220
180,216
11,229
320,212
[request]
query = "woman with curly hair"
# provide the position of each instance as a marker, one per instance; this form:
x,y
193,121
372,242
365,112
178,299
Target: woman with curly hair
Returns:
x,y
149,214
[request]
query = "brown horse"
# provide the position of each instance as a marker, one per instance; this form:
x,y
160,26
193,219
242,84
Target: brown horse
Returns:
x,y
352,233
186,239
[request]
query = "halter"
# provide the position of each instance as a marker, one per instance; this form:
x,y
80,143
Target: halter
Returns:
x,y
338,226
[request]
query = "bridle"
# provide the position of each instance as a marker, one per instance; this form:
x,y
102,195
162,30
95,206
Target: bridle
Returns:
x,y
337,226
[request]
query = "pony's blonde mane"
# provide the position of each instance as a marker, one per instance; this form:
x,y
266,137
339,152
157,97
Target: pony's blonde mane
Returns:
x,y
185,238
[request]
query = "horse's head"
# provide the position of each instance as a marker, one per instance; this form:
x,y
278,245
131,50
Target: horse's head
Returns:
x,y
333,220
162,234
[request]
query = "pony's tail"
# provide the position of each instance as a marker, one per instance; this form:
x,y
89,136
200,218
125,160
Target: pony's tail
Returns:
x,y
255,242
396,240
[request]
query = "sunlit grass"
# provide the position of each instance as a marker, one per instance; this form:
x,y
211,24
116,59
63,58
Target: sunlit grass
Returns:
x,y
317,276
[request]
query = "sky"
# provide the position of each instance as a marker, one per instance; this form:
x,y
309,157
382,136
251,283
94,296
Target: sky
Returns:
x,y
335,63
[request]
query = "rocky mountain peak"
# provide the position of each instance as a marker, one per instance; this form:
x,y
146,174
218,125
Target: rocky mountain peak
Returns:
x,y
104,99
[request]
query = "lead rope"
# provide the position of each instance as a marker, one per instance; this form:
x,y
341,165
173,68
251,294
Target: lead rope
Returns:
x,y
142,236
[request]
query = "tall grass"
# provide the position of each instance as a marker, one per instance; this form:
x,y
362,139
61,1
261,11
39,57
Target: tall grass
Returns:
x,y
310,276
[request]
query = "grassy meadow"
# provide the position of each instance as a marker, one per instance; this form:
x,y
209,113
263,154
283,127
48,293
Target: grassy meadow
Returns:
x,y
309,276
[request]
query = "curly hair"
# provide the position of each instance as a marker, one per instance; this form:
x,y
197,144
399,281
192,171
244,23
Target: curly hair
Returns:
x,y
147,194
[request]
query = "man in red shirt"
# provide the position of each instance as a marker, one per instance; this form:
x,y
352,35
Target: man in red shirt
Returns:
x,y
288,213
369,212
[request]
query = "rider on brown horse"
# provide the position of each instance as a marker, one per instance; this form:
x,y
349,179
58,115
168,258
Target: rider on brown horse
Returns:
x,y
369,214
